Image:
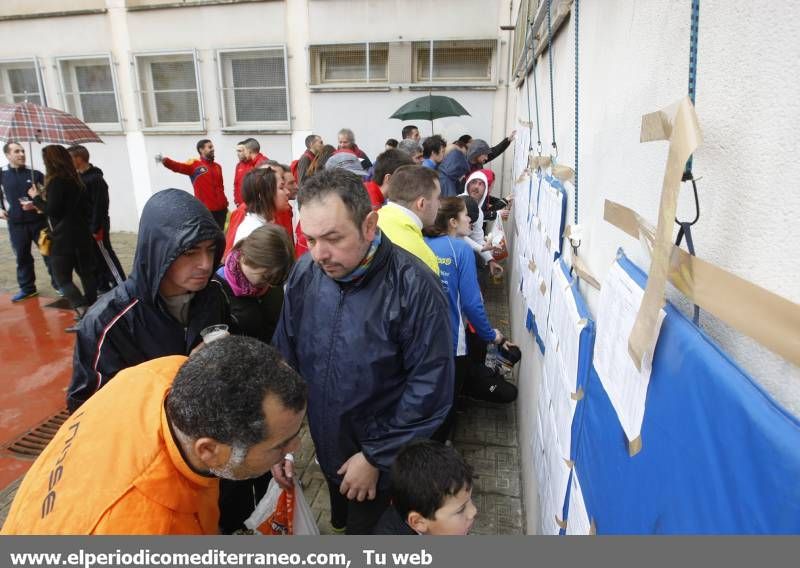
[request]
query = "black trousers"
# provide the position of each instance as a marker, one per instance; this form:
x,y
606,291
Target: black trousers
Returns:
x,y
82,261
238,500
464,368
22,236
358,517
220,217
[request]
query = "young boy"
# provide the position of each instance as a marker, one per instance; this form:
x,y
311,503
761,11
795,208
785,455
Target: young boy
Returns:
x,y
431,492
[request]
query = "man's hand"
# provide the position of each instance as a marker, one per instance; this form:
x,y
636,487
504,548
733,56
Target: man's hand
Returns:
x,y
504,213
283,472
512,135
494,268
360,478
98,236
3,214
28,206
499,339
33,192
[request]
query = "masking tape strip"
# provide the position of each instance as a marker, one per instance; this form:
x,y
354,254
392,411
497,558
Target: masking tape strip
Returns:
x,y
563,173
569,463
576,396
635,446
678,124
559,522
771,320
583,272
593,528
543,288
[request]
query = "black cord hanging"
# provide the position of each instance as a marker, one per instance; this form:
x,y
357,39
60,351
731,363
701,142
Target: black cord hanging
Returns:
x,y
686,226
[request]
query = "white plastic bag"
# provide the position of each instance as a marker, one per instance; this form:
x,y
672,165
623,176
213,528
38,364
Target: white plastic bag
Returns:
x,y
282,512
497,236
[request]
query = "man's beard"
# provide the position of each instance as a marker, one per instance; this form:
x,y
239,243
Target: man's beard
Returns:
x,y
238,454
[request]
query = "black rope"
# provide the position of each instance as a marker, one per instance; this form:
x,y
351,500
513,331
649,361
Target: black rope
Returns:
x,y
686,226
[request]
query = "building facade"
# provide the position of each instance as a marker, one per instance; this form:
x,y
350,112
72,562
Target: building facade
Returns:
x,y
155,76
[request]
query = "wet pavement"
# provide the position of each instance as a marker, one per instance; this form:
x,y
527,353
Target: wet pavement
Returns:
x,y
37,364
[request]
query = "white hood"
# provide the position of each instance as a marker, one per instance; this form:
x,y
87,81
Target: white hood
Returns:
x,y
477,239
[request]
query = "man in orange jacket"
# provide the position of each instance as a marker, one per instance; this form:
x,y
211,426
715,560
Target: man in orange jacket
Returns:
x,y
206,176
143,456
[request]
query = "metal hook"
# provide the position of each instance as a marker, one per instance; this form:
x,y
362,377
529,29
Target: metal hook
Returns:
x,y
687,176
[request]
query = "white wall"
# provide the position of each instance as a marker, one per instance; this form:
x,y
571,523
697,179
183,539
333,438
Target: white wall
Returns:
x,y
385,20
634,60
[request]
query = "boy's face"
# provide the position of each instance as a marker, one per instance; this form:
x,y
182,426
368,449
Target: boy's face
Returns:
x,y
454,518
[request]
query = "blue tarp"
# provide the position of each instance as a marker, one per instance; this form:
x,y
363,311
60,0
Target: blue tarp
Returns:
x,y
719,455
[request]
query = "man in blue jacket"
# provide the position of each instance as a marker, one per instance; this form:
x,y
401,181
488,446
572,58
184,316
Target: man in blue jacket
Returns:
x,y
24,221
366,324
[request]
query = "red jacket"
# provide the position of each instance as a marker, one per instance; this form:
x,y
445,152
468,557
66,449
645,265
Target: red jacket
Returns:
x,y
375,194
242,169
233,223
206,180
284,219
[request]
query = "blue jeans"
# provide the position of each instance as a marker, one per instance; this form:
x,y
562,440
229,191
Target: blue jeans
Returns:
x,y
22,236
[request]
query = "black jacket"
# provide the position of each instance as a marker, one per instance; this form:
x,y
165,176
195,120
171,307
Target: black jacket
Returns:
x,y
66,207
97,196
392,523
130,324
16,182
251,316
377,356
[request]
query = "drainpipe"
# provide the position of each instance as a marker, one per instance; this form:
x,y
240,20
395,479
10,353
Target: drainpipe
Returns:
x,y
509,50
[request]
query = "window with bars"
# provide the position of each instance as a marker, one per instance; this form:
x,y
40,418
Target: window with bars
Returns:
x,y
169,93
89,90
254,88
354,63
456,61
21,81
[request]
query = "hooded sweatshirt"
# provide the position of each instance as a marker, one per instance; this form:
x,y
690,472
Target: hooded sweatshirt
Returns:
x,y
132,324
451,171
477,239
477,148
347,161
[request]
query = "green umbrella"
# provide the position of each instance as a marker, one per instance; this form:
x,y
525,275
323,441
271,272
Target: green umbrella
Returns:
x,y
430,107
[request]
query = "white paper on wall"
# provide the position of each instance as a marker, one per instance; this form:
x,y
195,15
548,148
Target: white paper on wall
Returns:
x,y
577,517
620,298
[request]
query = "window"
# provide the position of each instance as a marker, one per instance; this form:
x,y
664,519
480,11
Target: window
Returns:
x,y
459,61
20,81
349,64
254,88
88,86
169,94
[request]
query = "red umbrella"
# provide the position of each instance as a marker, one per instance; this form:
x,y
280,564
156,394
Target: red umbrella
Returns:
x,y
29,122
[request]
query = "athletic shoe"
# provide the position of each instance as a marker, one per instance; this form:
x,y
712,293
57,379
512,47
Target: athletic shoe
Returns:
x,y
490,387
19,296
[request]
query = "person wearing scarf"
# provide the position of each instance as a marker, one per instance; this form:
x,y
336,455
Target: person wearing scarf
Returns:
x,y
252,281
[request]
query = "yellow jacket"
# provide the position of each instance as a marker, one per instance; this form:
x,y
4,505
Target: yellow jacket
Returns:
x,y
403,232
114,468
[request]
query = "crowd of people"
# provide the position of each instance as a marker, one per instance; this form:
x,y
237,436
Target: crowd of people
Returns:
x,y
351,296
